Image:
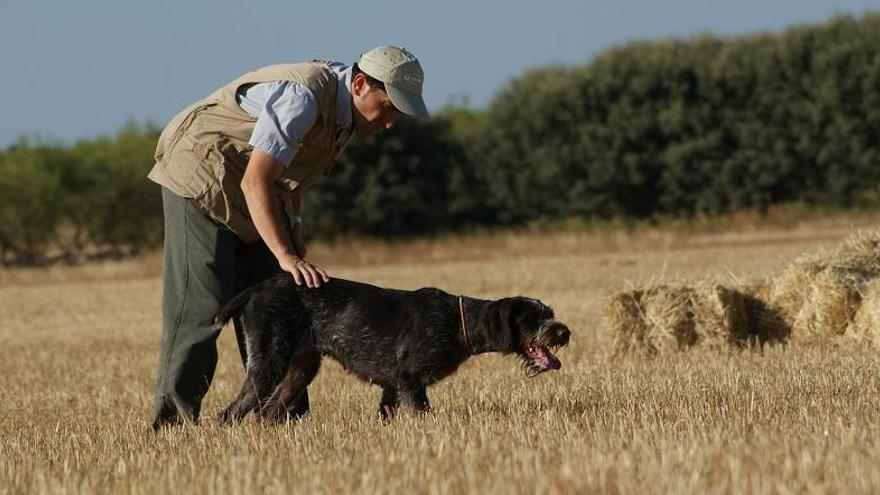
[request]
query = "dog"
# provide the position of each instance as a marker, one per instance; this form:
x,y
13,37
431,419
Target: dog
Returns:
x,y
401,340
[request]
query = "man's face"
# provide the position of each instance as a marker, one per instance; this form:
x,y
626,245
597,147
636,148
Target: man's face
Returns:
x,y
373,110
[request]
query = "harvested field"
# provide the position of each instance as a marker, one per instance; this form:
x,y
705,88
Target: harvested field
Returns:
x,y
78,351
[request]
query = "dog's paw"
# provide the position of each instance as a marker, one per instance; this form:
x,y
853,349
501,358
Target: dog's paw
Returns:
x,y
385,414
225,417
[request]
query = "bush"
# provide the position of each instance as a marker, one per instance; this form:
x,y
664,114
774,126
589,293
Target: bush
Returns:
x,y
30,206
393,184
680,127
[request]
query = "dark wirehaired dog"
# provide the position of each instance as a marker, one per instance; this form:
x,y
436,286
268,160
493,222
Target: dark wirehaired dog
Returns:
x,y
400,340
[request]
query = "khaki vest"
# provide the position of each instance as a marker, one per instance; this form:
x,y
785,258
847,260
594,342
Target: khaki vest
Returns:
x,y
202,153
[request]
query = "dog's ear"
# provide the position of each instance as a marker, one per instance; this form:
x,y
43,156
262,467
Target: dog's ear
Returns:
x,y
502,332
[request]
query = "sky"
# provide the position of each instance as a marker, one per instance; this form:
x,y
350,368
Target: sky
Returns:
x,y
78,70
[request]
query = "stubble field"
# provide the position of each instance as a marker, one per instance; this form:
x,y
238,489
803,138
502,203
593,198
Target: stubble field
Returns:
x,y
79,345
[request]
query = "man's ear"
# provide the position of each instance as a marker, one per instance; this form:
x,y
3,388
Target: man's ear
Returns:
x,y
359,85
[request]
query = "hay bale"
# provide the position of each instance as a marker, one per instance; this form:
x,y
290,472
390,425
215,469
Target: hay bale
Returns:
x,y
789,291
830,306
816,297
866,323
666,318
819,296
623,316
720,315
668,314
861,251
761,289
766,322
653,320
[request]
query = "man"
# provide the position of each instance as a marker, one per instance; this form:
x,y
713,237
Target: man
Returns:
x,y
232,169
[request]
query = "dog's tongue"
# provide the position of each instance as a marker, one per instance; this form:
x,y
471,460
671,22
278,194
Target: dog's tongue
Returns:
x,y
545,358
553,362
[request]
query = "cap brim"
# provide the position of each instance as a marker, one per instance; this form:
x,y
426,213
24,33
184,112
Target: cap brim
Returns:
x,y
408,103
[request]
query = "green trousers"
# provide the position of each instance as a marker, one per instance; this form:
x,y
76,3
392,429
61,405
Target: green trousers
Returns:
x,y
205,266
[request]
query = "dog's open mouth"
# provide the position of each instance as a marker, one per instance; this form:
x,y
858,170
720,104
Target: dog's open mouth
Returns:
x,y
538,359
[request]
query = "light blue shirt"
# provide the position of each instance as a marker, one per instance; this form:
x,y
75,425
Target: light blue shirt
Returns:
x,y
285,111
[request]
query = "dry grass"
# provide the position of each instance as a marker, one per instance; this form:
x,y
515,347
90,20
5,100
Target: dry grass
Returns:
x,y
78,351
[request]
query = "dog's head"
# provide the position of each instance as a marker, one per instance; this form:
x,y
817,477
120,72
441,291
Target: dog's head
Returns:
x,y
526,327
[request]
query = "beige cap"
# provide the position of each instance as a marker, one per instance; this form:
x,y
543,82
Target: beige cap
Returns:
x,y
402,75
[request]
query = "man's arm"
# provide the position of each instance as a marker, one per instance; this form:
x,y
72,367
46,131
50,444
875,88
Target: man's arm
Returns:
x,y
258,185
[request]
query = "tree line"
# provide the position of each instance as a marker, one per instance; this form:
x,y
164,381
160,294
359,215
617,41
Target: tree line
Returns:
x,y
662,128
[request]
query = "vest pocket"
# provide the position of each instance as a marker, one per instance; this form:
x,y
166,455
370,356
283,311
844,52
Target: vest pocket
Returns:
x,y
174,131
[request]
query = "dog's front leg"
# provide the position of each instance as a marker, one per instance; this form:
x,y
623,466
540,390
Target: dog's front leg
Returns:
x,y
388,404
411,392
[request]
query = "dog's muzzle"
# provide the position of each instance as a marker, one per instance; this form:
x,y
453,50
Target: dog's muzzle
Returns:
x,y
538,356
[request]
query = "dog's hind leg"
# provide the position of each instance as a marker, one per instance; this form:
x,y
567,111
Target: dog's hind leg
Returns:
x,y
388,404
302,370
252,390
262,378
263,375
267,359
238,409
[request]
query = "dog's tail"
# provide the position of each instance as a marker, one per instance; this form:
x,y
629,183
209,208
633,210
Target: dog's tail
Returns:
x,y
233,308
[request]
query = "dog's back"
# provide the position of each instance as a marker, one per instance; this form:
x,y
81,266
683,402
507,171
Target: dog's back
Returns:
x,y
371,331
375,332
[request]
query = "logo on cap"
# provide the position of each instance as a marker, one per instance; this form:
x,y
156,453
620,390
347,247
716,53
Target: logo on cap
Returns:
x,y
412,78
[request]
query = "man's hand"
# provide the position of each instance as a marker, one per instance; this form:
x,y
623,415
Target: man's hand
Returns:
x,y
304,272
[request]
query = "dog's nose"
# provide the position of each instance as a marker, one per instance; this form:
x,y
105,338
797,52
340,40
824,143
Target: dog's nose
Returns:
x,y
562,334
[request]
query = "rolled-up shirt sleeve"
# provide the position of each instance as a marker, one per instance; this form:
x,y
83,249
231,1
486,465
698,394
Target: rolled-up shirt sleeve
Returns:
x,y
288,112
